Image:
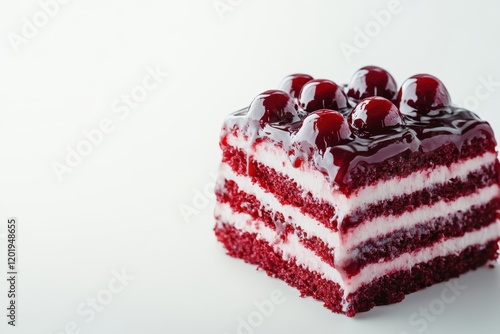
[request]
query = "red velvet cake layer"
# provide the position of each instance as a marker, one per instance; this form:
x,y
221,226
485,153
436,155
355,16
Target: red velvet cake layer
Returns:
x,y
404,164
318,246
245,246
373,250
284,189
242,202
385,290
288,192
448,192
423,235
392,288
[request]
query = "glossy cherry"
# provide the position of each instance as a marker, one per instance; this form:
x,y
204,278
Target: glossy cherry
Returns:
x,y
293,83
374,114
322,94
372,81
422,93
272,106
324,128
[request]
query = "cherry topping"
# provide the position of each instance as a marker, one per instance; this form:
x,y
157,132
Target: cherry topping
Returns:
x,y
272,106
322,94
372,81
375,113
293,83
324,128
422,93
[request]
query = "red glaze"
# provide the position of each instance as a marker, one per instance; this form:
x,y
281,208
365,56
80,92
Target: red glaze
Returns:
x,y
373,114
377,132
322,94
272,106
372,81
324,128
422,93
293,83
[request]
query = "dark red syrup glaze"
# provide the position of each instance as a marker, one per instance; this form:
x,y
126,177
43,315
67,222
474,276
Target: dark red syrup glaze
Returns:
x,y
372,81
322,129
322,94
374,135
422,94
293,83
374,114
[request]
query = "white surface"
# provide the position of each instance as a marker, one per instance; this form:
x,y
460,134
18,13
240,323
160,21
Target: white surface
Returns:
x,y
120,207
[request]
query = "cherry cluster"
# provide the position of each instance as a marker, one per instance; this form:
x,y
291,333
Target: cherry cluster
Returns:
x,y
368,105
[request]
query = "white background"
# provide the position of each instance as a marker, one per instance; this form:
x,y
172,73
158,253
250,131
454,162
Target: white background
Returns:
x,y
120,207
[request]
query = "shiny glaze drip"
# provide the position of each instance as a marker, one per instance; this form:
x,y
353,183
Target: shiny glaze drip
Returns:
x,y
419,133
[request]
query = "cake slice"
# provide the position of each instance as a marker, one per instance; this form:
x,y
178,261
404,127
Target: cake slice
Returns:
x,y
357,195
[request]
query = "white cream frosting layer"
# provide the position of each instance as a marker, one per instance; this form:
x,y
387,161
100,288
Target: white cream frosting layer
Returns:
x,y
313,181
292,249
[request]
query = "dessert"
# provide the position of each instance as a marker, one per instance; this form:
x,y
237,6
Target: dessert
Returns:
x,y
359,194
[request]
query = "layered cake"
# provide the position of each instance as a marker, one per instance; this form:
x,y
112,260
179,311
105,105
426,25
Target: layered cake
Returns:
x,y
358,194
